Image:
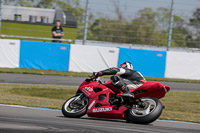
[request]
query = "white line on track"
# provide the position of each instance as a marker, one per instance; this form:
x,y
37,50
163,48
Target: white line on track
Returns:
x,y
20,106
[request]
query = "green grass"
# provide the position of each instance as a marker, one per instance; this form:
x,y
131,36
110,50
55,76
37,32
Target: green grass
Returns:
x,y
80,74
43,72
47,96
183,106
51,93
34,30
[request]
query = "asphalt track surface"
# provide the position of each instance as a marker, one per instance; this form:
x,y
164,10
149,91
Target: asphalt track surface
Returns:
x,y
15,119
31,120
76,81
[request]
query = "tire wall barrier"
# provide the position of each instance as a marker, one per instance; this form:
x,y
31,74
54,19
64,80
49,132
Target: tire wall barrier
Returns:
x,y
183,65
149,63
84,58
44,55
9,53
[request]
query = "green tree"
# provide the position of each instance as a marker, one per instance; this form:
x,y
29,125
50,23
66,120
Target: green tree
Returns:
x,y
158,23
194,38
149,27
19,2
145,27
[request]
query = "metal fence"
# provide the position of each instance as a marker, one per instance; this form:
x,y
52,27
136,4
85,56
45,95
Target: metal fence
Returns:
x,y
169,23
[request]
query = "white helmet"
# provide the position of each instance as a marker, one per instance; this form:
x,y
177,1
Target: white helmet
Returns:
x,y
127,65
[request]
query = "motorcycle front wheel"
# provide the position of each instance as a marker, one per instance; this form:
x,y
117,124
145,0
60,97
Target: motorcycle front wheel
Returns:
x,y
75,107
149,112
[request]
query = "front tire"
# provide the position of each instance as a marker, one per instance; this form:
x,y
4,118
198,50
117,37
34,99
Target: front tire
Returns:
x,y
148,114
75,108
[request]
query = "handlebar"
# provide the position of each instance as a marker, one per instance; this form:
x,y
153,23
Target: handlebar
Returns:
x,y
90,79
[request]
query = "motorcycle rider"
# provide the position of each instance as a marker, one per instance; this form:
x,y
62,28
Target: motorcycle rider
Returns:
x,y
127,78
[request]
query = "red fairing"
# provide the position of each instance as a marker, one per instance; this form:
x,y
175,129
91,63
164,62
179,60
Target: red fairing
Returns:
x,y
107,112
93,90
116,90
98,94
152,89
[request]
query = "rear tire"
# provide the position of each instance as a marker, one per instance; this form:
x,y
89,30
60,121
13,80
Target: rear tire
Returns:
x,y
148,115
72,109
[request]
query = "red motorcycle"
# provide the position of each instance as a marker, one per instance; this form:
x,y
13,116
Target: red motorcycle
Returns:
x,y
104,101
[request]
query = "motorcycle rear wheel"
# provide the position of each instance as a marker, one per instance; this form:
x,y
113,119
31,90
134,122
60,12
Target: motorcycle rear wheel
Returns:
x,y
75,108
147,114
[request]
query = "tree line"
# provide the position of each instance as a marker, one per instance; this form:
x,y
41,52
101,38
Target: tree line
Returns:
x,y
148,27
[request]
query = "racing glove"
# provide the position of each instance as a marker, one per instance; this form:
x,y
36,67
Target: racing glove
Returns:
x,y
95,75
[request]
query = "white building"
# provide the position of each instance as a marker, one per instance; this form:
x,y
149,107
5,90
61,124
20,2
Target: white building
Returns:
x,y
36,15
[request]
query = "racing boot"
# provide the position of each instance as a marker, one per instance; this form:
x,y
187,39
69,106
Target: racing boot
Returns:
x,y
126,91
115,80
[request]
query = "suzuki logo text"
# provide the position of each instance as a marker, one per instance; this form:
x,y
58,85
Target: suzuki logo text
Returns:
x,y
102,109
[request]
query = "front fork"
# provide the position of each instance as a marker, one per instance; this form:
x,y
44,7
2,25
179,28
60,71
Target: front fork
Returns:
x,y
78,99
79,95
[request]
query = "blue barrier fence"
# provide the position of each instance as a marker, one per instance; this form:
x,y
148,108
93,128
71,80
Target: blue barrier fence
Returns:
x,y
149,63
56,56
61,57
44,55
